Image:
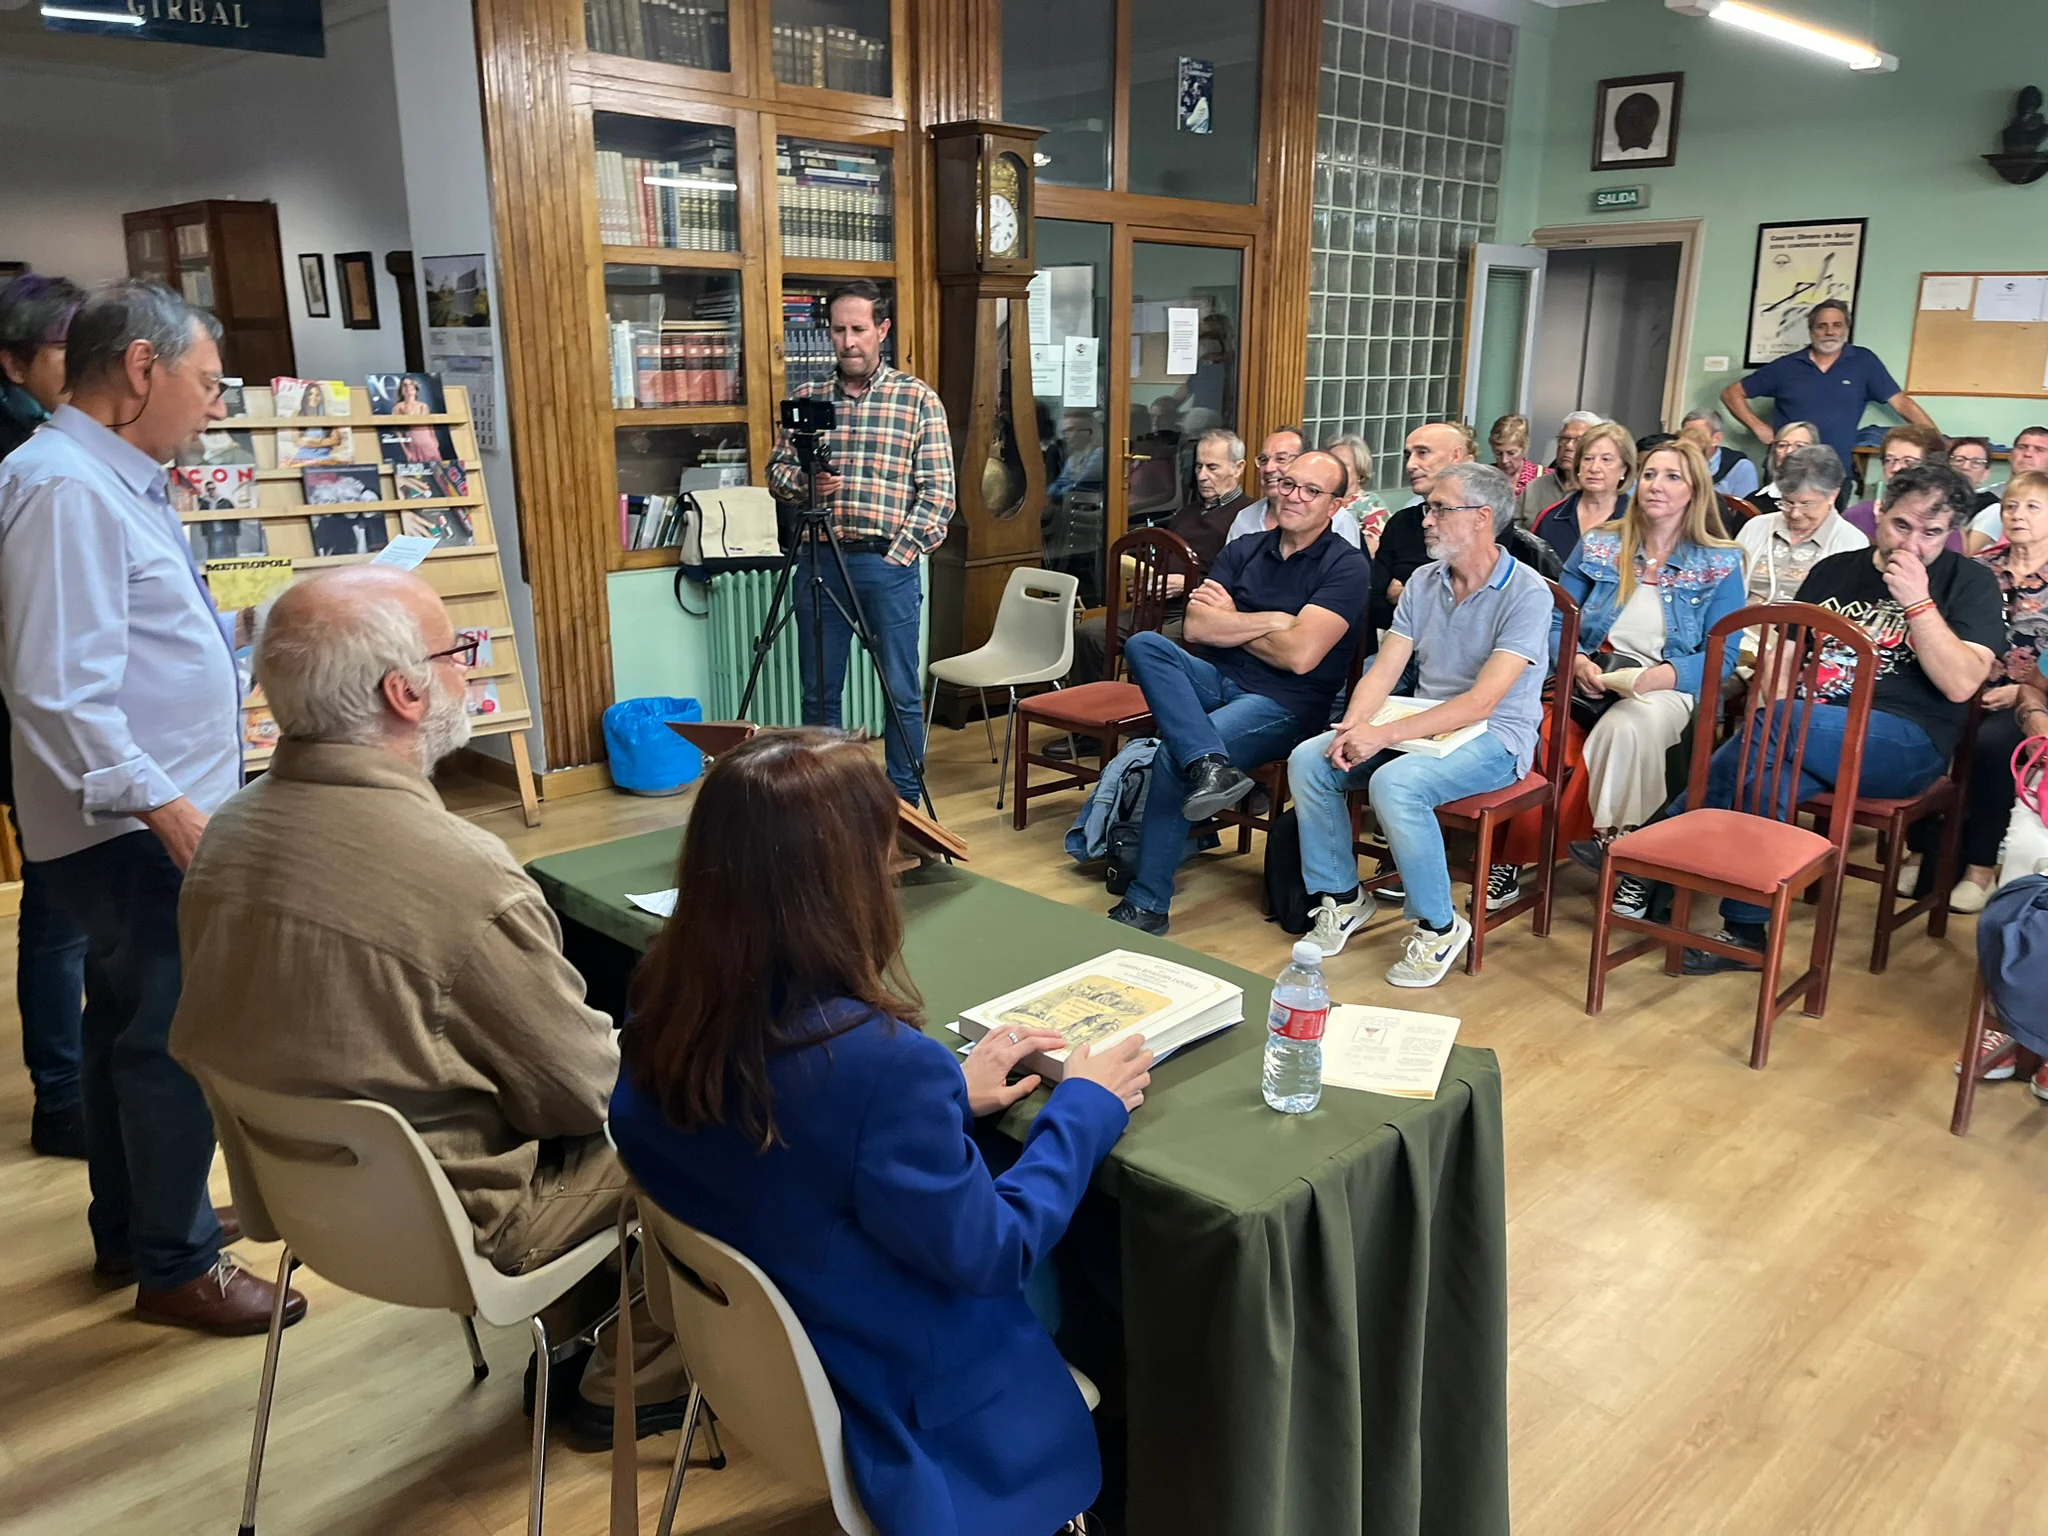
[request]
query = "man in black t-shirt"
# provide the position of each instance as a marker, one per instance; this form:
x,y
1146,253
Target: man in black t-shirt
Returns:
x,y
1937,622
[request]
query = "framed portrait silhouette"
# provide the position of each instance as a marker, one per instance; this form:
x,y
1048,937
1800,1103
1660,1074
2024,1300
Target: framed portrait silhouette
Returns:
x,y
1635,122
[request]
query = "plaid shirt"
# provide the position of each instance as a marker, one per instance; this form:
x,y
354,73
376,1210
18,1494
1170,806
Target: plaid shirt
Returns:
x,y
893,451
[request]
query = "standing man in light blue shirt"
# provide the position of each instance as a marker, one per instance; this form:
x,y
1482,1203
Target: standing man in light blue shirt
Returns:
x,y
121,678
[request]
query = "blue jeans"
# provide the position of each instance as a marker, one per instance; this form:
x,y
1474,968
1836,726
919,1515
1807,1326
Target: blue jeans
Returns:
x,y
49,991
889,600
1404,790
148,1133
1198,713
1898,762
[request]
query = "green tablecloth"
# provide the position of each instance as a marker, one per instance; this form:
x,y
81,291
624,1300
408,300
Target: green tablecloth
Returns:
x,y
1315,1305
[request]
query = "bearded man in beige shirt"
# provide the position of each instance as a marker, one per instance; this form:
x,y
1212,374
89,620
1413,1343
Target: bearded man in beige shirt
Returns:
x,y
347,936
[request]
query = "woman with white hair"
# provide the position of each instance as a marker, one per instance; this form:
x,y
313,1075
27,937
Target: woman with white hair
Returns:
x,y
1562,478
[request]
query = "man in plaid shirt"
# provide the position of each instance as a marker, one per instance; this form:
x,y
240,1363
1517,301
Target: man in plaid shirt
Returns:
x,y
890,493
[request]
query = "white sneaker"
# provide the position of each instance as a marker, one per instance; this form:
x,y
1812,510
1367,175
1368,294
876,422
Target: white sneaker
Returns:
x,y
1631,897
1909,877
1969,896
1427,955
1335,922
1503,886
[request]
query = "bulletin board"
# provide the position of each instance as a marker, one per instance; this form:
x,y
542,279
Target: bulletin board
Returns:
x,y
1957,353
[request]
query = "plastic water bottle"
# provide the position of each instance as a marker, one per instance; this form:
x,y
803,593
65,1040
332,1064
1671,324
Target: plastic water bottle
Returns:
x,y
1293,1082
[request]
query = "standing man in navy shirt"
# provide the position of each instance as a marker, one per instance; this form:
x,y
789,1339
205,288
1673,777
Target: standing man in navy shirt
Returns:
x,y
1828,384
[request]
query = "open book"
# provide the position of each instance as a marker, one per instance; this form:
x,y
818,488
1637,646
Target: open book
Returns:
x,y
1430,746
1107,999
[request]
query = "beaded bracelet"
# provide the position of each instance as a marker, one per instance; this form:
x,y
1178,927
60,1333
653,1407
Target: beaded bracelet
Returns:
x,y
1913,610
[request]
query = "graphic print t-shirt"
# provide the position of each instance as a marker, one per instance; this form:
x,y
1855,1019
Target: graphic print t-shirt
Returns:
x,y
1964,593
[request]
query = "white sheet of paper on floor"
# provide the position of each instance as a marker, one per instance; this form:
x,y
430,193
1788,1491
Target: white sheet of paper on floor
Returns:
x,y
660,903
1387,1050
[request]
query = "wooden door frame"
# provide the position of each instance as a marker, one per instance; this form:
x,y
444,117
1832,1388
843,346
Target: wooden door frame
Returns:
x,y
1689,235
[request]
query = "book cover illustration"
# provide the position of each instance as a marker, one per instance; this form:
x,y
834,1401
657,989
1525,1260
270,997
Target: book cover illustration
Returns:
x,y
482,637
481,698
410,394
447,526
213,487
259,729
438,479
349,533
345,483
1088,1009
227,538
324,444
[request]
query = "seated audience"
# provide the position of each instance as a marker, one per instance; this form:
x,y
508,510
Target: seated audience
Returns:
x,y
346,936
777,1093
1403,550
2029,457
1280,450
1781,547
1473,622
1509,440
1561,479
1606,463
1733,474
1219,497
1905,446
1362,504
1272,633
1794,434
1648,592
1937,624
1970,457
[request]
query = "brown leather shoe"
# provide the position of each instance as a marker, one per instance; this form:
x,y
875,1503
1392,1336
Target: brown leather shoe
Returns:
x,y
112,1274
227,1299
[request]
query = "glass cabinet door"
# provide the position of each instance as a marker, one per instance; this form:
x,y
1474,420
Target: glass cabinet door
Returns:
x,y
675,336
657,464
836,201
1070,350
832,45
1058,63
1185,309
1195,99
672,186
694,34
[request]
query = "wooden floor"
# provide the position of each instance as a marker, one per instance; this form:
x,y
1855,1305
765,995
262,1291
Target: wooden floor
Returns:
x,y
1758,1303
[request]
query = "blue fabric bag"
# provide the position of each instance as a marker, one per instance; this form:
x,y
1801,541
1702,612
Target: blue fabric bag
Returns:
x,y
647,758
2012,953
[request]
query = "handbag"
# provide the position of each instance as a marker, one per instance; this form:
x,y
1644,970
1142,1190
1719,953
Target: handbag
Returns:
x,y
2029,767
734,528
1588,711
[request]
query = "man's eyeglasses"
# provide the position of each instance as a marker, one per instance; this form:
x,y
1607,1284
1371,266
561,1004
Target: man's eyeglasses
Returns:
x,y
1968,461
1301,490
1897,461
464,651
1430,509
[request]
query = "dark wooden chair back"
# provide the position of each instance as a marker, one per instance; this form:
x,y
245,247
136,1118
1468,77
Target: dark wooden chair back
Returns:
x,y
1735,511
1550,746
1796,642
1141,591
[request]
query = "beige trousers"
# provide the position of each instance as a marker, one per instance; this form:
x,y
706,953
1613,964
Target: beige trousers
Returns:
x,y
1625,757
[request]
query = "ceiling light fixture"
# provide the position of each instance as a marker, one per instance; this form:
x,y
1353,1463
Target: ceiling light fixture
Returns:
x,y
1843,50
122,18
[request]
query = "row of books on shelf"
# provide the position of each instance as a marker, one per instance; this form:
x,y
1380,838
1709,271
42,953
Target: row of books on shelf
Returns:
x,y
664,31
690,204
831,59
834,203
650,522
675,362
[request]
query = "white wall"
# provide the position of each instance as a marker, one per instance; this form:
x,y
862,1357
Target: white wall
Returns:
x,y
79,151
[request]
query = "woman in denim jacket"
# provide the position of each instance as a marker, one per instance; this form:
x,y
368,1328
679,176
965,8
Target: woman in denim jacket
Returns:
x,y
1648,591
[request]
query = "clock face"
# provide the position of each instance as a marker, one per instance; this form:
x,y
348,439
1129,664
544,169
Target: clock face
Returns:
x,y
1003,229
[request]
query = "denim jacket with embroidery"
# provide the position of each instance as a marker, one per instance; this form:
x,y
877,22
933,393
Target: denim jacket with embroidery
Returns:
x,y
1700,587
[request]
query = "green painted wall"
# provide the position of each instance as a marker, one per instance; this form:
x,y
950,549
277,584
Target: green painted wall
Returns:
x,y
658,651
1768,133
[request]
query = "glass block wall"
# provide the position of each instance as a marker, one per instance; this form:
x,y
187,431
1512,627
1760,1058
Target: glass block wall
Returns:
x,y
1408,160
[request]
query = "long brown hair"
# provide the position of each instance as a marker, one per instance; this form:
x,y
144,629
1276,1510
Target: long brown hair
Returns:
x,y
1702,513
784,901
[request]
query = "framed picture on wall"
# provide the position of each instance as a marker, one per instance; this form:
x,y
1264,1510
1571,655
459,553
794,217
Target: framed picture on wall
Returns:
x,y
1635,122
357,280
313,278
1798,265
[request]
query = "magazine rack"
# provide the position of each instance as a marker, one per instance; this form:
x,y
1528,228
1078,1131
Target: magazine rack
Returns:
x,y
469,577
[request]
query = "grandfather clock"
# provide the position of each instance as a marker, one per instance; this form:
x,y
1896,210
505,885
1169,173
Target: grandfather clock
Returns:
x,y
983,222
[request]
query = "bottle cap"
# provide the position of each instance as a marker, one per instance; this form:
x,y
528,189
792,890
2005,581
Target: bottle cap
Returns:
x,y
1307,955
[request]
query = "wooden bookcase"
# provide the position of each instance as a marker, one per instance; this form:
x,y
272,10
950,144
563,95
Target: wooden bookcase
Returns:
x,y
223,256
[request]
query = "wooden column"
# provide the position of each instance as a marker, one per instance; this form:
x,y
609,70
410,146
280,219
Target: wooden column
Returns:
x,y
552,370
1290,74
956,72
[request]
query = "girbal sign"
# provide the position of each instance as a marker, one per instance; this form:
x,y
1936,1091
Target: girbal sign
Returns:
x,y
258,26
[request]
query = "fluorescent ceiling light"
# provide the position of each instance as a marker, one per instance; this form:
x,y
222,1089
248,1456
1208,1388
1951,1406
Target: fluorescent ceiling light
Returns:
x,y
685,181
121,18
1783,29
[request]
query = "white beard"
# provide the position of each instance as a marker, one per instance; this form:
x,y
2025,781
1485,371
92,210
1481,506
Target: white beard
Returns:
x,y
446,726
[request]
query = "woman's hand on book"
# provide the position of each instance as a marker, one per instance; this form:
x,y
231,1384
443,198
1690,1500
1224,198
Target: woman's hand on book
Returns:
x,y
1124,1071
988,1066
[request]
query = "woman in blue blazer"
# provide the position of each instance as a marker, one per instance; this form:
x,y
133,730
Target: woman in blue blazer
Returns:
x,y
777,1093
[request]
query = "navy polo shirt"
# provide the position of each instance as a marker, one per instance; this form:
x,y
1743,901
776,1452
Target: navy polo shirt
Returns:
x,y
1832,401
1329,574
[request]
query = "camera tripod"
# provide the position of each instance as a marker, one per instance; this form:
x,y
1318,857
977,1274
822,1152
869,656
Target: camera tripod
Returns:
x,y
815,533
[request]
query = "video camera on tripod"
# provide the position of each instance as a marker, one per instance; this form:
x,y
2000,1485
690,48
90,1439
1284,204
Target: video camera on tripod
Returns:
x,y
806,420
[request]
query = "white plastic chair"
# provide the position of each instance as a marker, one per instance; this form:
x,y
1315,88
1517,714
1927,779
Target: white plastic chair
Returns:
x,y
750,1357
355,1195
1033,642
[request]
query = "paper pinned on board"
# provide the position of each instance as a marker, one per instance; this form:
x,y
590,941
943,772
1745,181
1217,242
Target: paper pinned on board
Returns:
x,y
1946,292
2016,300
1387,1050
1183,344
1039,297
1048,371
660,903
1080,393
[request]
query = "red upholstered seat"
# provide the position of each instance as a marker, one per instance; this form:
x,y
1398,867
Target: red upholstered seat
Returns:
x,y
1089,705
1506,800
1729,847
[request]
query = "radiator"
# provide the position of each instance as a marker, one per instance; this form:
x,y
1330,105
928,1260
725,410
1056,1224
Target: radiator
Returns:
x,y
739,602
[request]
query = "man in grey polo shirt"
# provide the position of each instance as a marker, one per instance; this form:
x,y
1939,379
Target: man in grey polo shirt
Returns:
x,y
1477,624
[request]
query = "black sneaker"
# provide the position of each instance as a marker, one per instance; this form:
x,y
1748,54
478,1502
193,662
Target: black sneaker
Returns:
x,y
1393,890
1632,897
58,1132
1704,962
1083,746
1503,886
1589,854
1133,916
1213,785
589,1425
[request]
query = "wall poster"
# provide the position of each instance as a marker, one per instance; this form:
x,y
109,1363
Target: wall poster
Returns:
x,y
1798,265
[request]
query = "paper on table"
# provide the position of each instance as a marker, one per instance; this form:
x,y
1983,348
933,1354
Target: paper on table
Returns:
x,y
1387,1050
1946,292
1048,371
2016,299
1183,347
660,903
1080,391
406,551
1039,296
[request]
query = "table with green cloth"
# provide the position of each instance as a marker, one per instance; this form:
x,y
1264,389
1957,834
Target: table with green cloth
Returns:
x,y
1315,1306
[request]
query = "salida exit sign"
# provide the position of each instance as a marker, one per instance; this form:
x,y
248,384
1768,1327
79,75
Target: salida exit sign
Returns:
x,y
1616,199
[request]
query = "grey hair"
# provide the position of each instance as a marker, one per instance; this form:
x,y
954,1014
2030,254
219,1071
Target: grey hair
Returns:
x,y
1227,438
1361,455
322,670
1479,484
1711,418
123,313
1834,304
1814,468
1582,418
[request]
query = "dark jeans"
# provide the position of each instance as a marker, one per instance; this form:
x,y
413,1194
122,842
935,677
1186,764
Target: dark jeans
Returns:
x,y
148,1134
1991,794
49,990
889,601
1091,637
1898,761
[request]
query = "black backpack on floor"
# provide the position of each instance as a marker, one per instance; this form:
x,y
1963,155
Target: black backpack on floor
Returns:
x,y
1286,896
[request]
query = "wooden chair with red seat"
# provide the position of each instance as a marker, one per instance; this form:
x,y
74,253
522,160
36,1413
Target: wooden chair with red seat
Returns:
x,y
1141,565
1892,820
1737,510
1754,851
1484,815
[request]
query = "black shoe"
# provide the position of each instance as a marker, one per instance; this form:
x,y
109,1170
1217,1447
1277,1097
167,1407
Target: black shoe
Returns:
x,y
564,1377
1084,746
1632,897
1704,962
1393,890
1213,785
589,1425
1589,854
58,1132
1134,916
113,1274
1503,886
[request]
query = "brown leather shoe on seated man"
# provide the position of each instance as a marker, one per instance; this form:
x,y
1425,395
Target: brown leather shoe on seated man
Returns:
x,y
227,1299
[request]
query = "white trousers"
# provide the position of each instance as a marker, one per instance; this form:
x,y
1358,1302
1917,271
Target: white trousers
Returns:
x,y
1625,757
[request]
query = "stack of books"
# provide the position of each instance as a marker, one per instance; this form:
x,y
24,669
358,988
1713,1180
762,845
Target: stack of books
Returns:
x,y
664,31
1108,999
806,342
834,201
831,59
675,362
650,522
689,203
